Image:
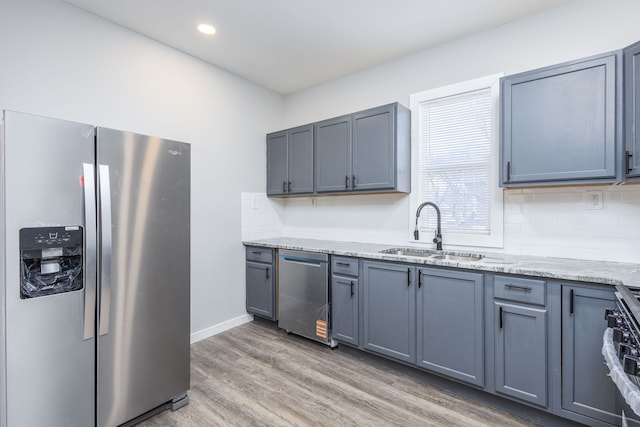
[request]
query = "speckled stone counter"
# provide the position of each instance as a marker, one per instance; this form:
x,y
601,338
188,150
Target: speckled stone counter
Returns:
x,y
608,273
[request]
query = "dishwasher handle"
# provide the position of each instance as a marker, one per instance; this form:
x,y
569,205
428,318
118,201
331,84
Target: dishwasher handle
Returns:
x,y
304,261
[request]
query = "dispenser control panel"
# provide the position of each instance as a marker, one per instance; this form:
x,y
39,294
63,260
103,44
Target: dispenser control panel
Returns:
x,y
40,238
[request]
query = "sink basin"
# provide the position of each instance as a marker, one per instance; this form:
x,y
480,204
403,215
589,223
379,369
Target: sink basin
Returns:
x,y
469,257
409,252
426,253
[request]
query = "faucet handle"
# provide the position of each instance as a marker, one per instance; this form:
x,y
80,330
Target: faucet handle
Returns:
x,y
438,241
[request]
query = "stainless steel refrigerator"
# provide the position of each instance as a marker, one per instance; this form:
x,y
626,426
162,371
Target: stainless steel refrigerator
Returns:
x,y
94,266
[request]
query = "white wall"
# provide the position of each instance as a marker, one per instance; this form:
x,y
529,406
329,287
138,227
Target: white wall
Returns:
x,y
62,62
538,222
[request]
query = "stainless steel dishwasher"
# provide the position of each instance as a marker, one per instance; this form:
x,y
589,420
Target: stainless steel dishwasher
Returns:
x,y
303,295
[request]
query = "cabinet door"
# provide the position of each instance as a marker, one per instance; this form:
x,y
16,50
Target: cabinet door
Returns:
x,y
277,163
260,290
333,155
344,309
449,324
586,386
389,310
632,110
300,158
559,123
374,155
521,352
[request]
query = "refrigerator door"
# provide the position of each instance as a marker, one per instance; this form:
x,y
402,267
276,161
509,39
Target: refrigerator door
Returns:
x,y
48,373
144,297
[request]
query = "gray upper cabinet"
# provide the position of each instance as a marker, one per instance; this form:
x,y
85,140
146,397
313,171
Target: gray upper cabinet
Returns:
x,y
586,386
375,141
333,155
389,310
631,164
368,151
277,163
562,124
290,162
451,344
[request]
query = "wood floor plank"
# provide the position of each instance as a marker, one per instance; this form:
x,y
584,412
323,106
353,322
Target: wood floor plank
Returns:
x,y
257,375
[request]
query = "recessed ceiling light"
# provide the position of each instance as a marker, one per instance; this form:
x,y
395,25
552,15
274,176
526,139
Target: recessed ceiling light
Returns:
x,y
206,29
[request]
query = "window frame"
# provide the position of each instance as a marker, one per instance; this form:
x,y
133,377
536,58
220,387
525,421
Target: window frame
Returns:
x,y
495,238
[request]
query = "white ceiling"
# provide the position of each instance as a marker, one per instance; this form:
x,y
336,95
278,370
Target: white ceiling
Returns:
x,y
289,45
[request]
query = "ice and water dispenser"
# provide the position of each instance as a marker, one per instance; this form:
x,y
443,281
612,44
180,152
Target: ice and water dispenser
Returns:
x,y
50,260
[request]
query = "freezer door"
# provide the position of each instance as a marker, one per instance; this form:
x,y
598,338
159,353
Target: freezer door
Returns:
x,y
143,343
49,366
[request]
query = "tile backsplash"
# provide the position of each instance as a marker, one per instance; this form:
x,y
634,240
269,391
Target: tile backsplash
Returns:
x,y
558,222
261,219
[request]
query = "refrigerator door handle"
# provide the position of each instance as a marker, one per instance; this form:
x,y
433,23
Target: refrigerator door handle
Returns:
x,y
105,248
89,186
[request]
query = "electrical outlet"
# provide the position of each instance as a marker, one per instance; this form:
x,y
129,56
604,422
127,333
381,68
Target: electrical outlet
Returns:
x,y
594,200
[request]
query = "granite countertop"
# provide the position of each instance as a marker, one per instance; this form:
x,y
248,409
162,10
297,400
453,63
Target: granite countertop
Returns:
x,y
608,273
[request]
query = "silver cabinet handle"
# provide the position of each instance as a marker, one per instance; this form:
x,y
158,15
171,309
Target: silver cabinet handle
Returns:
x,y
105,247
90,259
518,288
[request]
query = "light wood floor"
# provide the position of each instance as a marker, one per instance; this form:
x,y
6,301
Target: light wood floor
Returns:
x,y
257,375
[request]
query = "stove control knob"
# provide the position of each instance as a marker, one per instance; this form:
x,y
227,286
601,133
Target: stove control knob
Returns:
x,y
613,319
620,335
625,349
630,365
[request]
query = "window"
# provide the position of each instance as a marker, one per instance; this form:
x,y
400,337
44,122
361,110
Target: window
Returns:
x,y
455,156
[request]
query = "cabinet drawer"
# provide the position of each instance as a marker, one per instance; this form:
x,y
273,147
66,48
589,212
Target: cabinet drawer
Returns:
x,y
517,289
344,266
255,253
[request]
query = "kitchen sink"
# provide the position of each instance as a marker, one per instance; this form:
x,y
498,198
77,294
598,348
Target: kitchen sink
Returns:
x,y
409,252
469,257
426,253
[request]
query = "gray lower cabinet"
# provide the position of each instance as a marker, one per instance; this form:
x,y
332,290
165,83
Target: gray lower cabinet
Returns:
x,y
561,124
344,300
586,387
290,162
520,336
632,111
521,352
389,318
451,344
260,282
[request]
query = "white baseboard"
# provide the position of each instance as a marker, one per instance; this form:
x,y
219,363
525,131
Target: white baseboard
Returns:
x,y
220,327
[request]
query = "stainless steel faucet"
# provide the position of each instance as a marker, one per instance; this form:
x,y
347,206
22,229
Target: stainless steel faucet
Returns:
x,y
438,237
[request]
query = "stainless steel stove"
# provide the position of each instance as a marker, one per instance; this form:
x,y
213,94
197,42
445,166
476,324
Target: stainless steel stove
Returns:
x,y
626,330
621,344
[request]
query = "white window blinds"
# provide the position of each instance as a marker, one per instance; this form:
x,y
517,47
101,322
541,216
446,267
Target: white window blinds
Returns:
x,y
455,141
